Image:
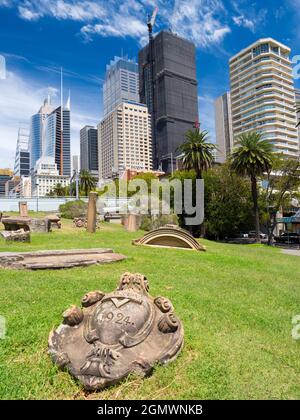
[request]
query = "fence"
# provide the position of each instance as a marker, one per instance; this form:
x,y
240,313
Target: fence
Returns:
x,y
52,203
35,203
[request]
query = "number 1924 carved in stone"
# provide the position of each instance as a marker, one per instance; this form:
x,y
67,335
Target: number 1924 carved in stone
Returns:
x,y
116,333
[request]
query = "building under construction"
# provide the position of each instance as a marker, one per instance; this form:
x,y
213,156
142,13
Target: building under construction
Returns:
x,y
168,85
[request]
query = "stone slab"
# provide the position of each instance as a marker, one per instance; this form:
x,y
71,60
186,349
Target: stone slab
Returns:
x,y
16,235
58,259
294,252
27,223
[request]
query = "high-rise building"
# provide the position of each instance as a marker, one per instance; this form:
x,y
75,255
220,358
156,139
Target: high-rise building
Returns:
x,y
121,83
125,140
263,95
168,85
75,163
36,137
46,176
22,158
25,186
297,95
89,149
58,139
12,187
49,137
5,175
223,127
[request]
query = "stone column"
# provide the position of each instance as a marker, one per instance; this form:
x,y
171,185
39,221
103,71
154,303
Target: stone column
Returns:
x,y
133,222
23,209
92,213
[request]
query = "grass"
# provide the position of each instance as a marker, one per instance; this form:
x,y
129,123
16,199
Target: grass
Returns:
x,y
236,304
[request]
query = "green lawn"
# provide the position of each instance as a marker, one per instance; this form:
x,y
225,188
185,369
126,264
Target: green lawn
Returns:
x,y
236,304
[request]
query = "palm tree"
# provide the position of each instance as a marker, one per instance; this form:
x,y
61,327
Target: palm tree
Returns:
x,y
87,182
197,151
252,157
59,190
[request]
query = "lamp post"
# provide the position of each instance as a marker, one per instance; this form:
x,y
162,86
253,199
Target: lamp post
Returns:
x,y
77,185
172,161
37,196
75,175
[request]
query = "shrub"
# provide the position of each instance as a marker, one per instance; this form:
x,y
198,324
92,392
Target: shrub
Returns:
x,y
73,209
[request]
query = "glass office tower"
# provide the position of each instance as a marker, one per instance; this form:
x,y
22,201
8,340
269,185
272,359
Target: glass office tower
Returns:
x,y
36,136
121,84
57,140
89,149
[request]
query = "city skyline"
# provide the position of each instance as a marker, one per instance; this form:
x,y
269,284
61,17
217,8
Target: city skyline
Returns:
x,y
33,66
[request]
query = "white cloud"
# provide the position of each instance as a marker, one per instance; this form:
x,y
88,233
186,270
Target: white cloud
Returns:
x,y
243,21
6,3
249,16
28,14
201,21
17,102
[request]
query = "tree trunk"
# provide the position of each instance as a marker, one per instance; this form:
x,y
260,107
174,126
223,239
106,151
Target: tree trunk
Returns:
x,y
198,173
255,208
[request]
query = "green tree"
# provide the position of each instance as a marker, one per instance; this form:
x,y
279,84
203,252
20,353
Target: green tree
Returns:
x,y
197,152
252,158
282,186
59,190
227,203
87,182
147,177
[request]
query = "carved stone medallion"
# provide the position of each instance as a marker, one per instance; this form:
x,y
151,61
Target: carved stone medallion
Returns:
x,y
116,333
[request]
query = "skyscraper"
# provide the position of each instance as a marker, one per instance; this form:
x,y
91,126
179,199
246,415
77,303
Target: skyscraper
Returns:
x,y
121,83
168,85
5,175
75,163
89,149
263,95
223,126
36,136
125,140
22,158
297,94
51,137
57,139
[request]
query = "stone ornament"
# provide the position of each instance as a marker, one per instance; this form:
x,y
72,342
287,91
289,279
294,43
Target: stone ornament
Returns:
x,y
55,220
170,236
115,334
81,222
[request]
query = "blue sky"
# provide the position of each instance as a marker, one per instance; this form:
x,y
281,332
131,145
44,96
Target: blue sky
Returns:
x,y
38,37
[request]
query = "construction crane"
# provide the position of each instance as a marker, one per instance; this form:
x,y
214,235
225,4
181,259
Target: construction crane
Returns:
x,y
151,22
